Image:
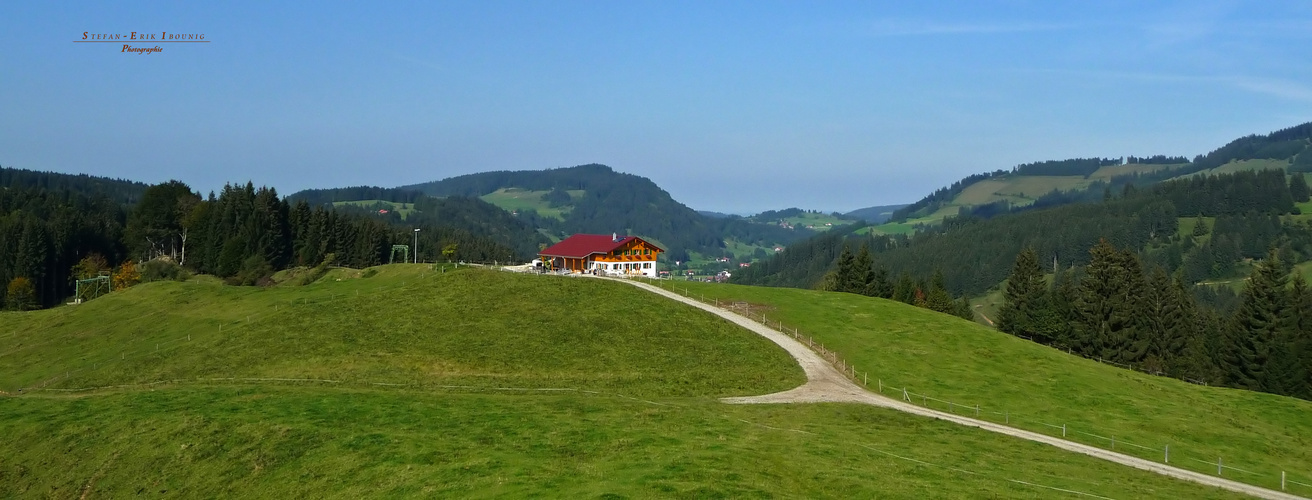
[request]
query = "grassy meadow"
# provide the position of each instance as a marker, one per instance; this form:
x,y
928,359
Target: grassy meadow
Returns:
x,y
374,204
1035,387
404,380
512,199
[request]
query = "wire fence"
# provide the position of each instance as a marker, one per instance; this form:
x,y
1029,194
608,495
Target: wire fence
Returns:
x,y
1287,481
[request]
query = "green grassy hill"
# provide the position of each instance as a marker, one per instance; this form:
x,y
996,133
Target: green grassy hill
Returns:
x,y
380,204
515,199
402,380
1036,387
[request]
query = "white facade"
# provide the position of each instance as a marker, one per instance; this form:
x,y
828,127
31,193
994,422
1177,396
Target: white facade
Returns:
x,y
636,268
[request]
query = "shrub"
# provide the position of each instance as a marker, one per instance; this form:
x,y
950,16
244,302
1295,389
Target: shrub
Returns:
x,y
162,270
126,276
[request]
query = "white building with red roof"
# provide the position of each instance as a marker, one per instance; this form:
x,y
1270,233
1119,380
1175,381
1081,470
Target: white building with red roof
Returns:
x,y
613,254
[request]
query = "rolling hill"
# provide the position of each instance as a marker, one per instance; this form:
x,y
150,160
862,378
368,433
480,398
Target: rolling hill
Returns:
x,y
1042,389
597,199
414,380
874,215
1052,183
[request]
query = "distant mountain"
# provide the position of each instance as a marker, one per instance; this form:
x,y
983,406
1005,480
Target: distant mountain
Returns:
x,y
596,199
1052,183
876,214
474,215
715,215
972,230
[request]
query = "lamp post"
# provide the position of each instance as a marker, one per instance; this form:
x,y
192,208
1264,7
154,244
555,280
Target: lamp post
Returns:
x,y
416,245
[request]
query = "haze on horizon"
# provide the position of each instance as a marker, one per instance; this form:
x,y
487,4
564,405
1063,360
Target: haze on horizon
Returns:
x,y
732,107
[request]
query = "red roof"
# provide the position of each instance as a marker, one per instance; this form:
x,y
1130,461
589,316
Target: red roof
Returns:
x,y
583,245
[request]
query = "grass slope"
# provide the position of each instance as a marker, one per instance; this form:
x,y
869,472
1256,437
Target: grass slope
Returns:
x,y
513,199
960,361
463,327
1241,166
499,385
377,204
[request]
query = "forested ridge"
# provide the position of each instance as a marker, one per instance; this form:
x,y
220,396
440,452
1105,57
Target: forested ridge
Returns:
x,y
460,212
617,202
59,228
975,253
1290,144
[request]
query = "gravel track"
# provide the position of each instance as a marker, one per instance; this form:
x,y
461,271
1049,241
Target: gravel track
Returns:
x,y
824,383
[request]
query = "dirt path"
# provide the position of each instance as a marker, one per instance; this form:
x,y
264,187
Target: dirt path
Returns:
x,y
825,384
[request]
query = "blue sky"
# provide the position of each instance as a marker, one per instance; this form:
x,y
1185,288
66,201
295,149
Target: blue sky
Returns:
x,y
735,107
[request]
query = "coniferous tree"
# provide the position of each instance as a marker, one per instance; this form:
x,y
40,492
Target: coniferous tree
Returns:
x,y
1163,322
938,298
1298,187
1024,296
881,285
1255,327
845,272
1200,226
863,272
905,289
1291,356
1106,305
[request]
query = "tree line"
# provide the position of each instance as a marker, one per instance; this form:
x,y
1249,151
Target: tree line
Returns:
x,y
858,273
1120,310
51,237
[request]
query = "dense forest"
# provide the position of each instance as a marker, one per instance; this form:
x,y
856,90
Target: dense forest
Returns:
x,y
470,214
1290,144
617,202
55,229
1121,310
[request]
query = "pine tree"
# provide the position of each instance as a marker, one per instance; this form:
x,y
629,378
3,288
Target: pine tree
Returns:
x,y
938,298
863,272
1024,296
881,286
1298,188
1200,226
845,275
905,289
1291,363
1107,304
1163,322
1255,326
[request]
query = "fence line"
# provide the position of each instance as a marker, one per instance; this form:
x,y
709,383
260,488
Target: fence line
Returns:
x,y
1162,454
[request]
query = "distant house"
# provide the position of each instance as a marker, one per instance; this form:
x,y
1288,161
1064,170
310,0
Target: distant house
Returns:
x,y
744,264
582,253
382,211
778,249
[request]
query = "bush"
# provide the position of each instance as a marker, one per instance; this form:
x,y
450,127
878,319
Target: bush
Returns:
x,y
126,276
162,270
254,271
314,274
